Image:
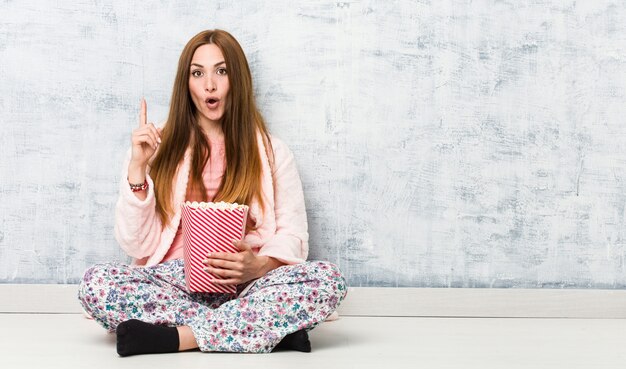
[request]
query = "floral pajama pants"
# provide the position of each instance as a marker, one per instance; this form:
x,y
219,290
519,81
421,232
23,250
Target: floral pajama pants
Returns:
x,y
285,300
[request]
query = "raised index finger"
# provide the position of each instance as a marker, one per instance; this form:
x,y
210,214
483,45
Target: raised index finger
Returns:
x,y
143,114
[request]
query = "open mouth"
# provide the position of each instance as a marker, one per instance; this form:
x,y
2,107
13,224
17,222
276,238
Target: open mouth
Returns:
x,y
212,102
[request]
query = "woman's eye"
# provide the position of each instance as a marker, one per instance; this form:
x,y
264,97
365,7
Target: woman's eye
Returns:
x,y
196,73
221,71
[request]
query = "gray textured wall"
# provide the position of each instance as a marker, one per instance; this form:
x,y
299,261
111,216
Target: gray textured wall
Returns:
x,y
443,143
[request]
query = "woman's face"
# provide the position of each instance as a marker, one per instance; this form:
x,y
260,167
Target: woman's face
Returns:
x,y
208,84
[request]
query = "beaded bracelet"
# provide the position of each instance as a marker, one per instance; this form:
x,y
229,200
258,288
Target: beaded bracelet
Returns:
x,y
139,187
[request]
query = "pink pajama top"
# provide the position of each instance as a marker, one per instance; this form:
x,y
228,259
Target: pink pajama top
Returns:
x,y
282,231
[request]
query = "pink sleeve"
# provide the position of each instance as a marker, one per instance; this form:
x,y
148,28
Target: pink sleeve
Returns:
x,y
137,226
290,243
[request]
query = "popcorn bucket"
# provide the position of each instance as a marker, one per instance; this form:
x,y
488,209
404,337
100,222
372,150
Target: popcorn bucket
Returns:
x,y
210,227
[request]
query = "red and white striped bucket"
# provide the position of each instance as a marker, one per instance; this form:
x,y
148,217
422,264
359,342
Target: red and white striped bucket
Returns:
x,y
209,229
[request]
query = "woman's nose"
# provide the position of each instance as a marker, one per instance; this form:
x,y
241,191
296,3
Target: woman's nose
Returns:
x,y
210,85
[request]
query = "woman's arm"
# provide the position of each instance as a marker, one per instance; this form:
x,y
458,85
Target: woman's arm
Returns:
x,y
290,243
137,226
237,268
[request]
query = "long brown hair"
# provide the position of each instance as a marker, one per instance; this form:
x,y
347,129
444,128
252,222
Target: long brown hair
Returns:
x,y
240,123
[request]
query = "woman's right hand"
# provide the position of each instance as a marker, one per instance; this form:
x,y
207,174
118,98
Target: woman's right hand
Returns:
x,y
145,140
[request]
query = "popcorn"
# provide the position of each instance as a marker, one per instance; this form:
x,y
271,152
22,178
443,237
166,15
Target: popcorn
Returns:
x,y
210,227
216,205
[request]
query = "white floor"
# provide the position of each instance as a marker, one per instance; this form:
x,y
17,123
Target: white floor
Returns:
x,y
70,341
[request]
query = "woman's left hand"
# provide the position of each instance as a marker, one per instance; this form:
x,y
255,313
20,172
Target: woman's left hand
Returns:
x,y
234,268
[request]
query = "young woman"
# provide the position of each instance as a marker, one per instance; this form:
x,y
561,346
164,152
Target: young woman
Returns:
x,y
214,147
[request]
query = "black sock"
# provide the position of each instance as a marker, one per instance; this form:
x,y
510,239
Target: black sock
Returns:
x,y
137,337
297,341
